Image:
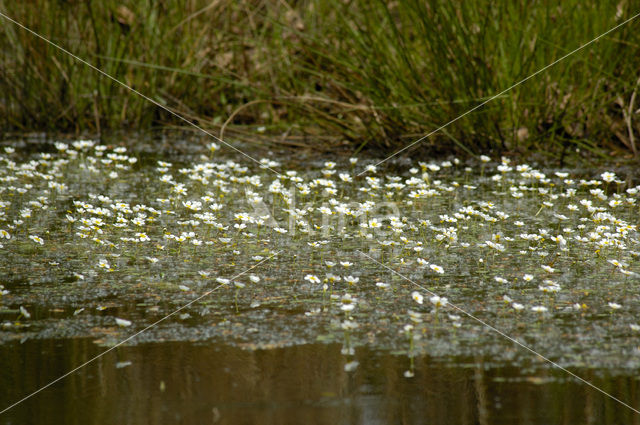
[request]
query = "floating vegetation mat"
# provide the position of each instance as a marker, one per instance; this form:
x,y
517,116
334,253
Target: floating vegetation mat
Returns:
x,y
98,242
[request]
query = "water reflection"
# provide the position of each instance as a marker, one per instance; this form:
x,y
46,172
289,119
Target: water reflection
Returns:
x,y
186,383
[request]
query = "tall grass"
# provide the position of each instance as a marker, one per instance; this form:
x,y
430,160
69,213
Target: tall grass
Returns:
x,y
326,72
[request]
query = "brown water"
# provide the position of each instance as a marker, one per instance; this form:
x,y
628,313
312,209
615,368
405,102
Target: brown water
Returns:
x,y
184,383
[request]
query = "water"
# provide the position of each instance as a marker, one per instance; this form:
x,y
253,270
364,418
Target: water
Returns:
x,y
185,383
387,279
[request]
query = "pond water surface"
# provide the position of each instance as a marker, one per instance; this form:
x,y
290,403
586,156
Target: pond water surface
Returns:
x,y
319,290
186,383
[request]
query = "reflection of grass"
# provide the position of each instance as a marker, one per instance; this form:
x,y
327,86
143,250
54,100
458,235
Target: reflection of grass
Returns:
x,y
367,71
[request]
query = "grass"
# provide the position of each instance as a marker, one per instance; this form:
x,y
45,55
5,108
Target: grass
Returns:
x,y
325,73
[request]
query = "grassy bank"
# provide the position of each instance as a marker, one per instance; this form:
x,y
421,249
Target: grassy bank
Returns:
x,y
326,72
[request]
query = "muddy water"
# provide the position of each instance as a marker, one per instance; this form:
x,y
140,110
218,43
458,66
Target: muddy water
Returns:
x,y
206,383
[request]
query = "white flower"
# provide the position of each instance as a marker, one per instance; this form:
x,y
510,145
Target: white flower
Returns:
x,y
25,313
608,176
36,239
414,316
616,263
312,278
436,268
348,302
333,278
417,297
614,306
374,223
548,268
517,306
123,322
349,325
549,287
351,280
539,308
438,301
345,177
351,366
192,205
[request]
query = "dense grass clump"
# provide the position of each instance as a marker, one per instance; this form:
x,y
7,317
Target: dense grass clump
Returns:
x,y
323,72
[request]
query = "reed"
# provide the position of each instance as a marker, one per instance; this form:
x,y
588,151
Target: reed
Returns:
x,y
324,73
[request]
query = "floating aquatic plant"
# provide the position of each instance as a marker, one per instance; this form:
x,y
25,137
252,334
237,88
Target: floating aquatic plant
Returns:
x,y
158,232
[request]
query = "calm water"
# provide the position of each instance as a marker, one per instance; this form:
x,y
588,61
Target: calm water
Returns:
x,y
185,383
